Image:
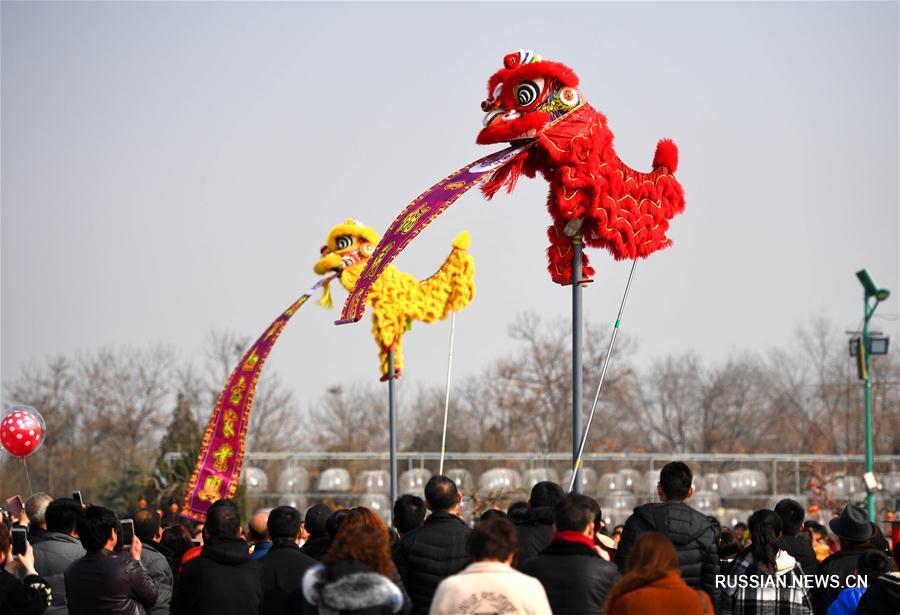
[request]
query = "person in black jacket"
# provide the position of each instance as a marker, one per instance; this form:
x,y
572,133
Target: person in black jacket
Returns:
x,y
437,549
28,596
855,533
689,530
571,570
223,578
316,546
883,596
284,565
795,542
536,530
104,582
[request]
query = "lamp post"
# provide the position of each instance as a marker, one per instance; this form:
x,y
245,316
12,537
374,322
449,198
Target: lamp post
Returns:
x,y
870,291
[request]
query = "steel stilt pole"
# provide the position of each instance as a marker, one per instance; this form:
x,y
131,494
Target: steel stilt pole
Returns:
x,y
392,420
577,373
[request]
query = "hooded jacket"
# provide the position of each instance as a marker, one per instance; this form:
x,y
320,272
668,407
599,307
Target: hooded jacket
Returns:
x,y
429,554
52,556
802,550
691,533
223,579
575,577
882,598
347,587
764,594
535,532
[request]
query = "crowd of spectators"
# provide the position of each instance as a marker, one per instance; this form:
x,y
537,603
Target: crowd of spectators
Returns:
x,y
551,554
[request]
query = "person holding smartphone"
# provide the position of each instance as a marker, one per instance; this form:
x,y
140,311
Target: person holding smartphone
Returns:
x,y
29,596
104,582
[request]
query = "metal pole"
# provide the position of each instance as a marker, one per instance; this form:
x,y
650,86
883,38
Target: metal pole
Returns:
x,y
870,495
447,395
612,342
392,420
577,374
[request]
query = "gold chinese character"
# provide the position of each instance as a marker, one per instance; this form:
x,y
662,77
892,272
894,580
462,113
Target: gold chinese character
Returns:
x,y
228,424
222,455
210,491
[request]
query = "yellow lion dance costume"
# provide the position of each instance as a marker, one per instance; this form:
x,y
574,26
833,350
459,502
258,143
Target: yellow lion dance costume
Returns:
x,y
397,298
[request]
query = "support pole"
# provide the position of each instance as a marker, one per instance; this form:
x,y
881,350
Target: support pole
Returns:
x,y
392,420
577,374
447,395
870,465
612,343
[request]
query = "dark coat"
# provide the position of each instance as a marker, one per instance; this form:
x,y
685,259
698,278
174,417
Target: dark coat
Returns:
x,y
29,596
35,534
106,583
429,554
800,548
223,579
282,581
882,598
55,553
574,576
535,532
316,547
153,557
690,531
349,587
841,564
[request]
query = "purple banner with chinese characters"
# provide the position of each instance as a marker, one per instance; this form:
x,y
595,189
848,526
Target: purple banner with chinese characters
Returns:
x,y
222,450
417,215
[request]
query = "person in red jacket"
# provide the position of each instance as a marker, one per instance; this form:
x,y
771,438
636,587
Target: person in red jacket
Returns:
x,y
652,584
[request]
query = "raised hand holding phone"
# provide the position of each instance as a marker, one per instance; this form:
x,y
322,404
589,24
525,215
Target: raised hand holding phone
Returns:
x,y
136,549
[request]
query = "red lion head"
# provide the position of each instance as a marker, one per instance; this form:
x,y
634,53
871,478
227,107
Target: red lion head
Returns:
x,y
525,95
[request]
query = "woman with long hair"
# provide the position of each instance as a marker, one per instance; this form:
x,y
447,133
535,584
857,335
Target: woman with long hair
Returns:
x,y
366,517
354,577
652,584
764,578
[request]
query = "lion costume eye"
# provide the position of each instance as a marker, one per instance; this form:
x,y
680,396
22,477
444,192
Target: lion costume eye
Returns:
x,y
527,92
343,242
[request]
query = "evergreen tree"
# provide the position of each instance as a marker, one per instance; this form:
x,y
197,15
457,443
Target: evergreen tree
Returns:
x,y
171,476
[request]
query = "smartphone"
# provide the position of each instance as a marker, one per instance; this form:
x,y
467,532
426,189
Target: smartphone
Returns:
x,y
15,506
76,495
127,532
19,539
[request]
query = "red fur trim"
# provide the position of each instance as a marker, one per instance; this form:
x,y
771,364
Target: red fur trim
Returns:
x,y
666,155
544,68
506,175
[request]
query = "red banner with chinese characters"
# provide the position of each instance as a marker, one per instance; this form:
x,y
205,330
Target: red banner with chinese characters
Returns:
x,y
222,450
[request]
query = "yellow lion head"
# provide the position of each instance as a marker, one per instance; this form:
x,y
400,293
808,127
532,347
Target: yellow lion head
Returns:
x,y
348,247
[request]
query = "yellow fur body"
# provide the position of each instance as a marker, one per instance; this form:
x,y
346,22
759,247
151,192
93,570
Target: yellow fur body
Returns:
x,y
397,299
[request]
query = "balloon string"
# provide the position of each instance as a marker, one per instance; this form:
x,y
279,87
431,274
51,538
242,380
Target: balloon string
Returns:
x,y
27,478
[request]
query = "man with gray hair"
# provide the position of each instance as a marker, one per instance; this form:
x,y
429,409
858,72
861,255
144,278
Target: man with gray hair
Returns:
x,y
36,509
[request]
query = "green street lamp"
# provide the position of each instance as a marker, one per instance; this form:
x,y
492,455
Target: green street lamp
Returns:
x,y
871,291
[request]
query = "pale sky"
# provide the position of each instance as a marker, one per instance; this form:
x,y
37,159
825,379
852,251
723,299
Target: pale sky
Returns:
x,y
172,168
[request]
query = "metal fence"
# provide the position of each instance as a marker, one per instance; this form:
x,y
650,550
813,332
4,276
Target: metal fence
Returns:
x,y
728,486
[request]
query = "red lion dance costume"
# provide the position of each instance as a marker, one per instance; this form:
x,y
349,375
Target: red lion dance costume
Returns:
x,y
592,192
